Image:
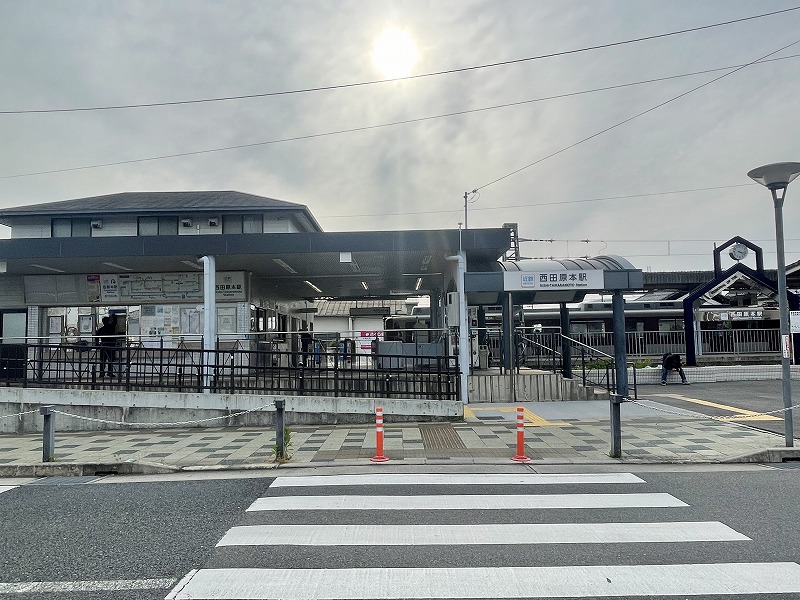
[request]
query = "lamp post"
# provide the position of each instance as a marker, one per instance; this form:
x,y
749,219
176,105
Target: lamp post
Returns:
x,y
777,177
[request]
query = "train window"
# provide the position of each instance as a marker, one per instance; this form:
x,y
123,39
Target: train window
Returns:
x,y
670,325
588,327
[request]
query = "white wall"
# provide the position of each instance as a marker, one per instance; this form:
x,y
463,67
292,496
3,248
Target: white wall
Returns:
x,y
200,225
31,228
116,226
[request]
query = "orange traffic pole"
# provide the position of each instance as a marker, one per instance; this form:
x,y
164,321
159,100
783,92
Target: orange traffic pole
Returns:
x,y
520,456
379,456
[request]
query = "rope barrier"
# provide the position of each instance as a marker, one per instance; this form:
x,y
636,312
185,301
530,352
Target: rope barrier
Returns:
x,y
172,424
27,412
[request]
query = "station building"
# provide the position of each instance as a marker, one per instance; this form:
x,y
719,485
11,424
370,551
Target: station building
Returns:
x,y
152,257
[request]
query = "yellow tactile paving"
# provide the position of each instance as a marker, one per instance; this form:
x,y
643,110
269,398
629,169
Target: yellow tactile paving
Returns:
x,y
531,418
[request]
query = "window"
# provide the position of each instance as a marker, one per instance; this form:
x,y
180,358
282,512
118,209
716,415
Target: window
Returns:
x,y
158,225
588,327
670,325
231,223
148,226
167,225
81,228
252,224
62,228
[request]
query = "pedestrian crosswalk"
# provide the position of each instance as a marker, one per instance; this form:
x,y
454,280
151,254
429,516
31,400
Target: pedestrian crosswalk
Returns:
x,y
544,536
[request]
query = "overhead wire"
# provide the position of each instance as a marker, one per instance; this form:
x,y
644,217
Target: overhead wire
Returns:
x,y
409,77
382,125
550,203
629,119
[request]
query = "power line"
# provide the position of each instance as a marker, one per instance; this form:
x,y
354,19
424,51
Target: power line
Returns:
x,y
647,241
553,203
409,77
629,119
390,124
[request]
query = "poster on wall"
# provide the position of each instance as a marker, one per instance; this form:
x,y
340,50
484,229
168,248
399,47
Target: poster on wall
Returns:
x,y
160,320
93,288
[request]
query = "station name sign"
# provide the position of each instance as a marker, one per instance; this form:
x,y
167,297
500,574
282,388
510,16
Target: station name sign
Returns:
x,y
554,280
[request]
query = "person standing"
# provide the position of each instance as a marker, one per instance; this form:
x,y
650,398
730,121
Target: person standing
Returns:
x,y
672,362
106,340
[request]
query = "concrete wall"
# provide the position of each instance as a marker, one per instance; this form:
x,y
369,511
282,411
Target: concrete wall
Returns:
x,y
127,409
534,387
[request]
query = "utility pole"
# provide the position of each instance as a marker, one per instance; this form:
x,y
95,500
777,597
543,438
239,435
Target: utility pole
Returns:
x,y
465,209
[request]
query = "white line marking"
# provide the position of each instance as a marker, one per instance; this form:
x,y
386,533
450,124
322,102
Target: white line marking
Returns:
x,y
514,533
181,584
466,502
455,479
44,587
5,488
499,582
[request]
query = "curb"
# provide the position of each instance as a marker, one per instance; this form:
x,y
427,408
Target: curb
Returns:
x,y
85,469
768,455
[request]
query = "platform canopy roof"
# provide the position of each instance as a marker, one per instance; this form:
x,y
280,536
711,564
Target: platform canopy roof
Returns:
x,y
346,265
304,265
552,281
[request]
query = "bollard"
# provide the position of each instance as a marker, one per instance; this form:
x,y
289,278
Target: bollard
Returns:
x,y
379,456
280,429
48,433
520,456
616,426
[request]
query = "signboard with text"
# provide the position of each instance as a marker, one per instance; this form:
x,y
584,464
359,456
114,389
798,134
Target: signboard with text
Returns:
x,y
554,280
794,321
133,288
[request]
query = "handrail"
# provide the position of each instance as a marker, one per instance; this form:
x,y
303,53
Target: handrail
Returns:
x,y
574,341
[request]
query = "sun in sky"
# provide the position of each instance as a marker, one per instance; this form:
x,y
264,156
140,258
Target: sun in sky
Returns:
x,y
394,53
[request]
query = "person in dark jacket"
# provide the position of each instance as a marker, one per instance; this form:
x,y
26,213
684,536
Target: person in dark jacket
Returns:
x,y
104,338
672,362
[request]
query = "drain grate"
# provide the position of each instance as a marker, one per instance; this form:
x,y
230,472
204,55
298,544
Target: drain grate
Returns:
x,y
440,437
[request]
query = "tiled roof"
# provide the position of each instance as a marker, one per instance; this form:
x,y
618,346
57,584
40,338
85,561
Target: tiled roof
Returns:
x,y
143,202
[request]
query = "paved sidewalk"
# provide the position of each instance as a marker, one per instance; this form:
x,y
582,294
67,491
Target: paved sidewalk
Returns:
x,y
555,432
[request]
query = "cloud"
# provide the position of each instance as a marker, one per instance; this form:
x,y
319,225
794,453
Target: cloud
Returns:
x,y
414,176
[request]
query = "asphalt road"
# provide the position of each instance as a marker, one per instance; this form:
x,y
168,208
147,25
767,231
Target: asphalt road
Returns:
x,y
162,529
754,396
90,532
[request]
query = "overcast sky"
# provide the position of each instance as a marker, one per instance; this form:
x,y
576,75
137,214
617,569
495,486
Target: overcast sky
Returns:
x,y
638,190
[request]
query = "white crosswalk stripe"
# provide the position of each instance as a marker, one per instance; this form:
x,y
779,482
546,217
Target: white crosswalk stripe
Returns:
x,y
292,530
500,582
514,533
448,502
455,479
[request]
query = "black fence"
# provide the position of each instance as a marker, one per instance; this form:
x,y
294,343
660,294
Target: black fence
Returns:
x,y
235,370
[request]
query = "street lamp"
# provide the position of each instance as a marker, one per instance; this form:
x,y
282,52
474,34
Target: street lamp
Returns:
x,y
777,178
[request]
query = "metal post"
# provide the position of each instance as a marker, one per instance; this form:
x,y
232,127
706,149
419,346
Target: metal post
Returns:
x,y
621,371
48,433
507,333
209,318
566,345
280,429
786,338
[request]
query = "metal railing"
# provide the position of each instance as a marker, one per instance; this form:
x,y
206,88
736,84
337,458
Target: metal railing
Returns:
x,y
232,368
656,343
